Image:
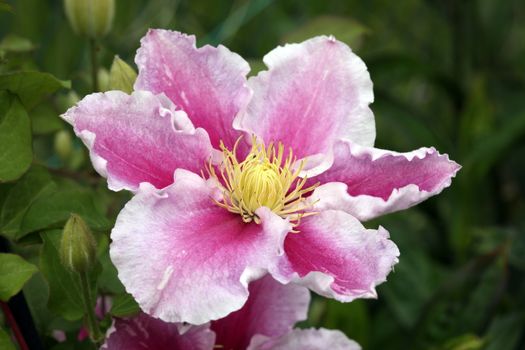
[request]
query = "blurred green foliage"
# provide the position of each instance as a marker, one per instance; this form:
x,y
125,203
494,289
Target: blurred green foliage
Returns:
x,y
447,73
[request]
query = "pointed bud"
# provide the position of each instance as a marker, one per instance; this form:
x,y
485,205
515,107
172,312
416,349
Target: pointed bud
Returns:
x,y
92,18
121,76
78,246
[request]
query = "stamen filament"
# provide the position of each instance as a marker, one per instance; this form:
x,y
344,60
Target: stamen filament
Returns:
x,y
264,178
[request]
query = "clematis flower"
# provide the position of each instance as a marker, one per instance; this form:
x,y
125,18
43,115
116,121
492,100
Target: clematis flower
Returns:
x,y
265,322
234,178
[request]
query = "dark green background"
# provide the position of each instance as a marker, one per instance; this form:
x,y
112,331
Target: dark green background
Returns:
x,y
449,74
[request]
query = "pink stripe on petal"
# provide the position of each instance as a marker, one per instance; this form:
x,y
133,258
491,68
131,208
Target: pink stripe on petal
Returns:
x,y
138,138
208,83
143,332
371,182
184,258
306,339
314,93
272,310
335,256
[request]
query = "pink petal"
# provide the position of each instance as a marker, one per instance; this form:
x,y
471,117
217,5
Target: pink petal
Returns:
x,y
184,258
272,310
374,182
306,339
143,332
335,256
138,138
313,93
208,83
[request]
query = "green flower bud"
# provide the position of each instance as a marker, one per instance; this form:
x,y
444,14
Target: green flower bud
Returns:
x,y
103,79
63,144
92,18
78,247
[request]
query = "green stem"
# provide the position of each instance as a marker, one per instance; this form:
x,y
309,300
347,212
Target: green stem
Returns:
x,y
94,64
89,308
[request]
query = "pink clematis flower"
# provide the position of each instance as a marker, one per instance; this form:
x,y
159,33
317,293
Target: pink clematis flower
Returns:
x,y
235,178
265,322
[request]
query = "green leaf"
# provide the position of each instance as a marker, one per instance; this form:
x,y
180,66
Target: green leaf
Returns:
x,y
14,43
45,120
124,306
344,29
33,185
36,293
64,288
489,150
108,280
5,339
350,318
121,76
52,211
505,332
256,65
14,273
5,7
15,138
464,342
31,87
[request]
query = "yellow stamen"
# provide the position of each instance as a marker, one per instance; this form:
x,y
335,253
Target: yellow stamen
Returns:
x,y
264,178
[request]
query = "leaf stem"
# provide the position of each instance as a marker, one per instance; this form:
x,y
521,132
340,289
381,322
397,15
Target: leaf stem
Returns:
x,y
94,330
14,326
94,64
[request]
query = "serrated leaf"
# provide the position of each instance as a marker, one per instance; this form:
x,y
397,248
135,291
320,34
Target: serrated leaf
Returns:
x,y
31,87
124,306
121,76
15,137
5,339
34,184
14,273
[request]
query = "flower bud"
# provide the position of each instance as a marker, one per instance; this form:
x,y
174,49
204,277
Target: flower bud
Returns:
x,y
103,79
63,145
78,247
92,18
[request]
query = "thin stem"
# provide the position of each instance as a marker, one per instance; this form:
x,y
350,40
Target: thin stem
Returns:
x,y
94,64
14,326
94,330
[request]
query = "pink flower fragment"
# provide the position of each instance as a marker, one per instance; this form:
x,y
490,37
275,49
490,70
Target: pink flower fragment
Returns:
x,y
213,211
265,322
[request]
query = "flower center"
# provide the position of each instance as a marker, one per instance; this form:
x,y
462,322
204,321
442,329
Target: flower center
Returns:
x,y
265,178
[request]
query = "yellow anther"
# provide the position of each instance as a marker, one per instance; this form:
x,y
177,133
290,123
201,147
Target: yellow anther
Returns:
x,y
265,178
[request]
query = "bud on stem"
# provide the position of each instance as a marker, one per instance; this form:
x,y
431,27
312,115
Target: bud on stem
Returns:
x,y
78,246
78,253
91,18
